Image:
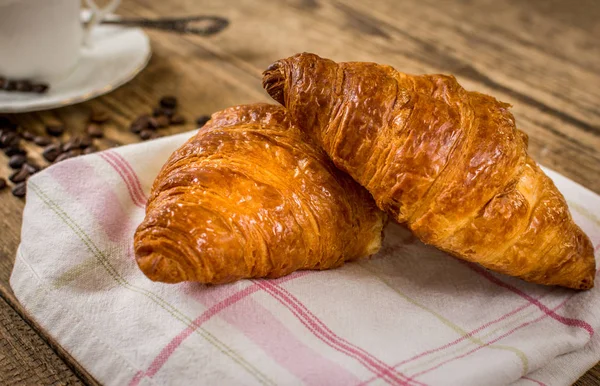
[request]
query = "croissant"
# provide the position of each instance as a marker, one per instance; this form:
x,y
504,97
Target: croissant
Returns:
x,y
248,197
447,162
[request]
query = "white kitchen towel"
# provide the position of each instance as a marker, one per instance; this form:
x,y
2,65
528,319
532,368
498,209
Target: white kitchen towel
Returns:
x,y
411,315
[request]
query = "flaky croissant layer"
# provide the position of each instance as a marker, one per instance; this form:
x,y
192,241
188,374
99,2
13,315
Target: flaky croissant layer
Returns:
x,y
248,197
448,162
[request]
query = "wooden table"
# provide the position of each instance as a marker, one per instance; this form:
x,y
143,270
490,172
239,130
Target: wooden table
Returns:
x,y
541,56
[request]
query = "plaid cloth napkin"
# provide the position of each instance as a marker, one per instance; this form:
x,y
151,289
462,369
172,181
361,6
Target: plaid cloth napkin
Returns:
x,y
411,315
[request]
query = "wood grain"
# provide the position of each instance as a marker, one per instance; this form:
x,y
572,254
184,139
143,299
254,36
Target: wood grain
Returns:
x,y
541,56
25,358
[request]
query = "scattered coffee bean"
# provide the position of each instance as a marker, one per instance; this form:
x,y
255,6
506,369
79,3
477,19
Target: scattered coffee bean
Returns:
x,y
146,134
14,150
152,123
69,154
71,144
40,88
76,142
16,161
62,157
95,131
158,111
153,135
55,130
23,86
20,189
51,152
177,120
168,101
19,176
9,139
31,168
85,141
2,184
27,135
75,152
90,149
201,121
139,124
99,116
42,140
162,121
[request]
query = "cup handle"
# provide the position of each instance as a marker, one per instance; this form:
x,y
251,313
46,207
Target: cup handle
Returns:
x,y
98,14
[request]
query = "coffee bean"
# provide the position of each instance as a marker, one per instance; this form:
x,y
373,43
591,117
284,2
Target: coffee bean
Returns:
x,y
162,121
40,88
9,139
152,124
158,111
146,134
14,150
51,152
90,149
71,144
20,189
62,157
19,176
95,131
168,101
69,154
201,121
23,86
76,142
31,168
55,130
2,82
177,120
11,85
42,140
139,124
2,183
16,161
27,135
85,141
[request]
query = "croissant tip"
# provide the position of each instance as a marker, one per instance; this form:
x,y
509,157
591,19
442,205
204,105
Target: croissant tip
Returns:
x,y
160,268
586,281
274,81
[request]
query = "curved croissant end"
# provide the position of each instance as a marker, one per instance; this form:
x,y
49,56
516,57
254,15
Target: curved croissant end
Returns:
x,y
448,162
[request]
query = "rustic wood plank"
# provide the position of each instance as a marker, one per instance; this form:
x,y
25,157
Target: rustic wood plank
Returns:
x,y
564,136
25,358
591,378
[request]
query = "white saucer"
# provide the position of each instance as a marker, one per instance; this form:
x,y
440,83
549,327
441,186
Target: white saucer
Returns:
x,y
115,55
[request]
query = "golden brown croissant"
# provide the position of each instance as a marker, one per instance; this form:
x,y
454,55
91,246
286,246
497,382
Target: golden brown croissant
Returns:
x,y
447,162
247,197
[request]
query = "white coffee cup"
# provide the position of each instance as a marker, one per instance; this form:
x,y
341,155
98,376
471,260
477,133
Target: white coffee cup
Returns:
x,y
42,40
